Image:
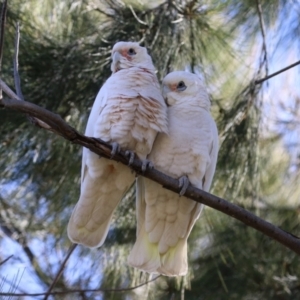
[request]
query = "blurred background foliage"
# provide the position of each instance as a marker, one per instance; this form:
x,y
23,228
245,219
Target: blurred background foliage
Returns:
x,y
65,58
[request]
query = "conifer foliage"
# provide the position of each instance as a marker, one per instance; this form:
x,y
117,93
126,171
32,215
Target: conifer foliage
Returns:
x,y
64,58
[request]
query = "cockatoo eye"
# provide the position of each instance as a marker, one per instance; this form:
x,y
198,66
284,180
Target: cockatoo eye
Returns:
x,y
131,51
181,86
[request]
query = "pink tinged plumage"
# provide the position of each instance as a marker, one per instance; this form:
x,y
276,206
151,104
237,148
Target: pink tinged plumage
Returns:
x,y
129,110
164,219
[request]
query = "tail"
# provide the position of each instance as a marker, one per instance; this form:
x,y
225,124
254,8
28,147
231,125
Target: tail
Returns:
x,y
144,254
146,257
100,195
174,262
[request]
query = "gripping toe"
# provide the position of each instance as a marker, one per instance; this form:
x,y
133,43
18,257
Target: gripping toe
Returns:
x,y
115,148
147,164
183,184
131,156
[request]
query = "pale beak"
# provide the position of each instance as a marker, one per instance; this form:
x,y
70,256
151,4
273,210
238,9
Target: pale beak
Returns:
x,y
116,58
165,91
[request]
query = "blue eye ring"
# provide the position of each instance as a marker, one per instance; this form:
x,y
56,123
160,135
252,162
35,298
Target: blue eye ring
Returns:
x,y
181,86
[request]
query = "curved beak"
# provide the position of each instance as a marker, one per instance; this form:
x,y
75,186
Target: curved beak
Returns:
x,y
116,59
165,91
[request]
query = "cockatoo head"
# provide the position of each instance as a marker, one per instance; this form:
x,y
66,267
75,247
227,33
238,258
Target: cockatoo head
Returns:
x,y
128,54
179,87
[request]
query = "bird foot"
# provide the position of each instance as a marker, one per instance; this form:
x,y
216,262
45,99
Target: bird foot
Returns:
x,y
131,155
147,164
183,184
115,148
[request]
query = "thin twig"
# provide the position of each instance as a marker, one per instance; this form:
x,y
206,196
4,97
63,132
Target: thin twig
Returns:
x,y
57,276
5,260
190,7
104,149
136,17
11,284
16,64
120,290
263,33
2,31
17,235
276,73
18,81
14,233
192,42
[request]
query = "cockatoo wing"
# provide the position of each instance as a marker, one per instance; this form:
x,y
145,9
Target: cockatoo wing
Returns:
x,y
97,108
103,184
209,174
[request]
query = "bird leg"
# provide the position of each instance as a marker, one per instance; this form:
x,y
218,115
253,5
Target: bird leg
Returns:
x,y
131,155
183,184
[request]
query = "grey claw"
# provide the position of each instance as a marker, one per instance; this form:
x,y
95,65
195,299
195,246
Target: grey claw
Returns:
x,y
147,164
131,155
183,184
115,148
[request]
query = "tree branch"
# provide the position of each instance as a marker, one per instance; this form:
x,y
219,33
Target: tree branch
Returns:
x,y
59,126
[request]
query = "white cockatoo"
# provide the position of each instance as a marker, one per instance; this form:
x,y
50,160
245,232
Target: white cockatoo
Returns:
x,y
128,112
189,152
